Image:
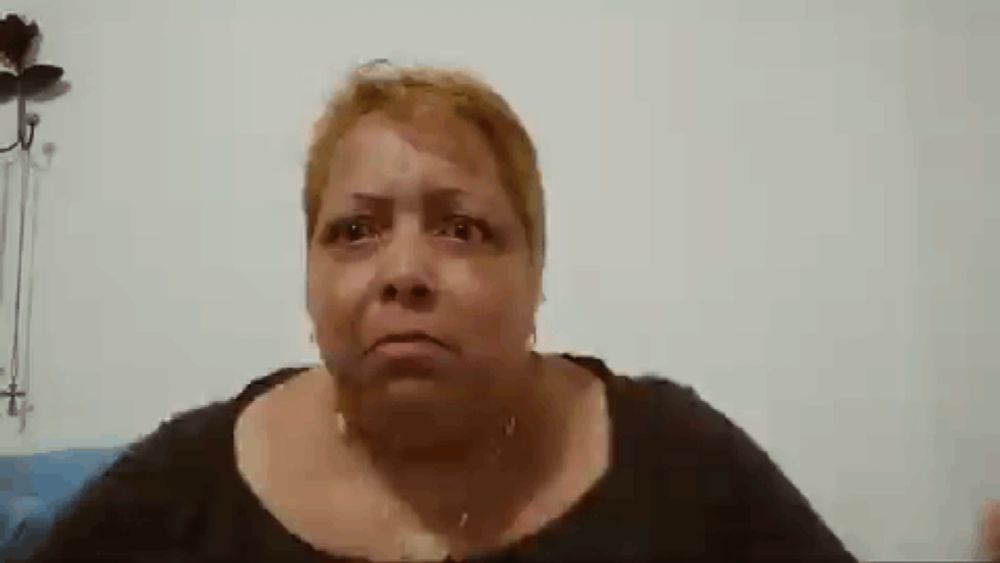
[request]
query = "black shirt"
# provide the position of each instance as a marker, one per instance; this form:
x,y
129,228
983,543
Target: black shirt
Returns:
x,y
684,483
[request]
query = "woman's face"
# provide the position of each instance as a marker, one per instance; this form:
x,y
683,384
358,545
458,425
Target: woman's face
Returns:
x,y
420,279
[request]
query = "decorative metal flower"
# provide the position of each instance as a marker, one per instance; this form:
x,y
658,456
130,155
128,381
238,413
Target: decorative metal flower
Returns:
x,y
19,40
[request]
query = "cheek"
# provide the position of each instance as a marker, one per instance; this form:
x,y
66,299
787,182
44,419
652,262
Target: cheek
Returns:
x,y
335,297
497,302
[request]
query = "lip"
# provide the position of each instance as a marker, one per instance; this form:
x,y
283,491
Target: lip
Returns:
x,y
407,340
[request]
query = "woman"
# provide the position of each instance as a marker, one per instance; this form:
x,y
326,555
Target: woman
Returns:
x,y
432,430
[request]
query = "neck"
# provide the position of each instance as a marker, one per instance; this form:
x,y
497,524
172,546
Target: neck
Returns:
x,y
473,484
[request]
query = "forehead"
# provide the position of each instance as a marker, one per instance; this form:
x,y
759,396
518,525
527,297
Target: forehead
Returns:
x,y
431,140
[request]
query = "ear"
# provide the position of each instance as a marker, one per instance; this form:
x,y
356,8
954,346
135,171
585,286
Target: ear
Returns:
x,y
306,294
538,291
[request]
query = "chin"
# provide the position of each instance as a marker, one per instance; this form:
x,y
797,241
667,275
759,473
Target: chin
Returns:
x,y
419,401
419,415
414,392
421,411
419,383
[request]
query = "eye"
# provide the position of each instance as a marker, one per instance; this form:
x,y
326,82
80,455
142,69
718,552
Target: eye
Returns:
x,y
351,230
465,229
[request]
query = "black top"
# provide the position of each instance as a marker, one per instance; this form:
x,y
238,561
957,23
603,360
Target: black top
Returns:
x,y
684,482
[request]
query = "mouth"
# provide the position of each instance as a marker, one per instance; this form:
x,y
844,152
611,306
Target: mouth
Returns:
x,y
411,338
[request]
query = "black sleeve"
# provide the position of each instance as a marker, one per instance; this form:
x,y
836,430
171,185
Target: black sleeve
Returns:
x,y
761,515
143,505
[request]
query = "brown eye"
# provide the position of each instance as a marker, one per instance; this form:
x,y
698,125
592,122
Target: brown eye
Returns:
x,y
465,229
356,231
352,230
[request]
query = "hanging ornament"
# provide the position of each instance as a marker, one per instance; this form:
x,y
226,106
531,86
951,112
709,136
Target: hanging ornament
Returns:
x,y
24,81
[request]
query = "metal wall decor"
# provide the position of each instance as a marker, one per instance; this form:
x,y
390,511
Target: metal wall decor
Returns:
x,y
23,81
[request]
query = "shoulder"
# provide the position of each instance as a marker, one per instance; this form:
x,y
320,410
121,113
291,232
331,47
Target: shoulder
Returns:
x,y
657,407
178,450
183,441
152,497
675,409
752,510
689,426
143,500
685,430
188,445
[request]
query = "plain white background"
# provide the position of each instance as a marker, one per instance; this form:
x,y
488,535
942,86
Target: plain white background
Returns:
x,y
792,206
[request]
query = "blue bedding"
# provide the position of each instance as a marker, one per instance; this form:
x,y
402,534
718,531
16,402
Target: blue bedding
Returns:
x,y
33,488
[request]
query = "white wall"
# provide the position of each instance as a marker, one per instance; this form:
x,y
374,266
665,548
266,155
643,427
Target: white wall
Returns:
x,y
792,206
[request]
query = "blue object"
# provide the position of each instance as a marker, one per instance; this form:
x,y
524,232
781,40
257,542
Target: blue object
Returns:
x,y
33,488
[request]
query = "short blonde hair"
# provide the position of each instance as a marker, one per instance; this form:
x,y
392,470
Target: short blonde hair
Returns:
x,y
381,86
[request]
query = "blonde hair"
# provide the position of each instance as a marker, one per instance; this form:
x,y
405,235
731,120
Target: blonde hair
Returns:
x,y
379,86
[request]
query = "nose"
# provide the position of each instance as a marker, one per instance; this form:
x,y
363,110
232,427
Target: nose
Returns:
x,y
407,272
409,291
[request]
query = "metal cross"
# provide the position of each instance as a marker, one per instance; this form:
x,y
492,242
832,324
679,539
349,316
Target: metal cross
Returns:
x,y
13,394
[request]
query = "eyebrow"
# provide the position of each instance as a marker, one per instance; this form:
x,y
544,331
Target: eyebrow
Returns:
x,y
444,194
434,194
370,199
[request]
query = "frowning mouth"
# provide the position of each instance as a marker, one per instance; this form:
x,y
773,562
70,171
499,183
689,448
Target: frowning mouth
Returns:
x,y
411,337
